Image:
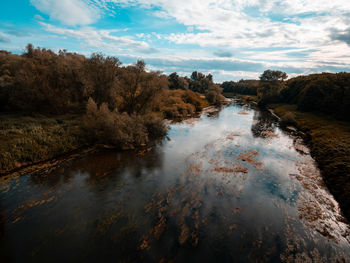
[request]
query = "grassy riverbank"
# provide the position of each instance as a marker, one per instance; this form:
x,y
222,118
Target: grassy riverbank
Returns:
x,y
29,139
329,142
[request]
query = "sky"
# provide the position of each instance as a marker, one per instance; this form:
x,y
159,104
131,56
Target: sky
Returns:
x,y
231,39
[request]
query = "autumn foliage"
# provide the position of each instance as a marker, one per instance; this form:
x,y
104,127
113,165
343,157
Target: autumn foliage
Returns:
x,y
123,105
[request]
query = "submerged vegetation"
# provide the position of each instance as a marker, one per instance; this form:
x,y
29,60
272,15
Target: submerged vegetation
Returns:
x,y
122,106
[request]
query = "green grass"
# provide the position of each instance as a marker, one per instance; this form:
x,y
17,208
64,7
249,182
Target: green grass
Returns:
x,y
329,141
26,139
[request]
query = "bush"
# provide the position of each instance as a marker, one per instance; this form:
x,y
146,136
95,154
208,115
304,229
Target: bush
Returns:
x,y
121,129
179,104
154,125
214,95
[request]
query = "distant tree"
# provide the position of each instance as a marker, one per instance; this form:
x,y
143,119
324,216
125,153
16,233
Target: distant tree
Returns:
x,y
200,83
177,82
214,95
270,87
246,87
210,77
29,50
273,75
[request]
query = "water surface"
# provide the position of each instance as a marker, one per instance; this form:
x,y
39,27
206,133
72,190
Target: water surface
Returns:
x,y
224,188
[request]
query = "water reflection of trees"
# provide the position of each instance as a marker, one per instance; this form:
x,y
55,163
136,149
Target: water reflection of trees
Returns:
x,y
102,168
263,122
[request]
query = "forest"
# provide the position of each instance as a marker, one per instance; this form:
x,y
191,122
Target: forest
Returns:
x,y
245,87
327,93
90,100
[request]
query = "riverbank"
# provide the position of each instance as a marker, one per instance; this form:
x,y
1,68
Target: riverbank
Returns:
x,y
27,140
329,143
249,99
34,143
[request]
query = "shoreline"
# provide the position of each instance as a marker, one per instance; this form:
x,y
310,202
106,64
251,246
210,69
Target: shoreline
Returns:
x,y
329,153
48,164
328,141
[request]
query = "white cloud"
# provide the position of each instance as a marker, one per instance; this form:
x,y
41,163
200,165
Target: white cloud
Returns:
x,y
302,23
297,36
303,26
69,12
102,39
4,39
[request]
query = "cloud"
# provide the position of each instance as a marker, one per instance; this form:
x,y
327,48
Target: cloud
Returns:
x,y
18,32
69,12
188,65
251,23
296,36
341,35
299,25
12,30
4,39
102,39
223,54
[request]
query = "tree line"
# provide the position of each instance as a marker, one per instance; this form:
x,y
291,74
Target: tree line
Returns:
x,y
245,87
123,103
327,93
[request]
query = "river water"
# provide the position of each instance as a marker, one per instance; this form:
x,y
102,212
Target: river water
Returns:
x,y
226,187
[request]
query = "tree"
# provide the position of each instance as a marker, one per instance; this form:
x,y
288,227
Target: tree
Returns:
x,y
214,95
271,84
177,82
138,89
273,75
200,83
101,78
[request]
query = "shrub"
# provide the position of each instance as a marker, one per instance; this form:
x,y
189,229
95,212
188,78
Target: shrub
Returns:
x,y
179,104
214,95
121,129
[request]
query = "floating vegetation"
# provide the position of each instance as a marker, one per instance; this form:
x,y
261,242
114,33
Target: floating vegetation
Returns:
x,y
300,147
231,136
269,134
249,158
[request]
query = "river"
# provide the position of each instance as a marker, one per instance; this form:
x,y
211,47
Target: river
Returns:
x,y
226,187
